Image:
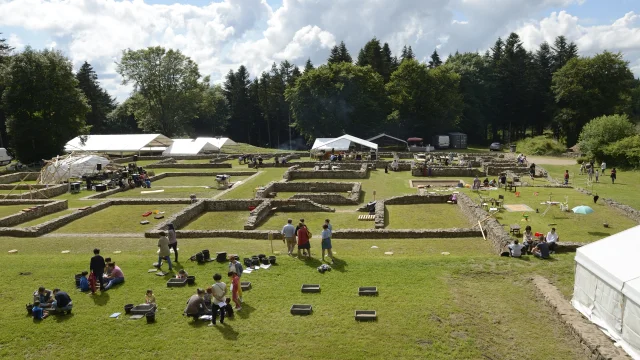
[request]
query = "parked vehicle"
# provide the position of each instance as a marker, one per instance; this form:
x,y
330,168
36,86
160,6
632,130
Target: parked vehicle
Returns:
x,y
496,146
441,141
5,158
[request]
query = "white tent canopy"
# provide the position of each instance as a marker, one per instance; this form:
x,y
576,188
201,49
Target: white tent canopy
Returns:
x,y
72,166
119,143
218,142
189,147
341,143
607,287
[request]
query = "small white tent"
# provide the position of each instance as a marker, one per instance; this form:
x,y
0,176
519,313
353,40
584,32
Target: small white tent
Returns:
x,y
341,143
218,142
73,166
119,143
189,147
607,287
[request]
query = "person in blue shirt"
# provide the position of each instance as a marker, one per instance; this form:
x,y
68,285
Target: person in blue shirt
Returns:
x,y
84,282
326,242
37,312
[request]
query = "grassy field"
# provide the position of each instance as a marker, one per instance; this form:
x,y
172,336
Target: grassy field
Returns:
x,y
201,192
6,210
193,181
314,221
213,220
424,216
248,188
45,218
118,219
431,307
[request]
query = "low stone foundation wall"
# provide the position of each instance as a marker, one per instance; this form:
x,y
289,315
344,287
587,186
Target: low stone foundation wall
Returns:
x,y
294,173
596,344
19,176
405,234
378,221
627,210
417,199
258,215
231,205
188,166
320,192
22,217
22,186
447,171
492,228
493,170
45,193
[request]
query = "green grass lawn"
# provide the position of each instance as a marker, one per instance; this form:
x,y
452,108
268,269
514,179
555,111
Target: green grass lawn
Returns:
x,y
315,220
169,192
216,220
118,219
6,210
424,216
571,227
247,189
431,307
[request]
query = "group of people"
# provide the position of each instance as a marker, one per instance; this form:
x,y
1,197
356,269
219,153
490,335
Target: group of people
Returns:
x,y
590,170
214,301
104,271
303,235
540,246
47,301
477,184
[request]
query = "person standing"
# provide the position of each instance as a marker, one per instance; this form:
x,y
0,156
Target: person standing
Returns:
x,y
289,233
173,240
326,221
597,176
603,167
219,299
236,267
566,177
303,239
235,285
326,242
613,175
165,253
97,267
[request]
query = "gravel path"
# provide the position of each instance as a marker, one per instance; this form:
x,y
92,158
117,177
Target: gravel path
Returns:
x,y
544,160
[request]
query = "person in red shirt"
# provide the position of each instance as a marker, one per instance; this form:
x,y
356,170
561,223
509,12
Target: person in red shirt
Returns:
x,y
566,177
303,239
235,286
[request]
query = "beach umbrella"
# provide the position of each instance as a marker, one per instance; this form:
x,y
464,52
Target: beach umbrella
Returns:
x,y
582,209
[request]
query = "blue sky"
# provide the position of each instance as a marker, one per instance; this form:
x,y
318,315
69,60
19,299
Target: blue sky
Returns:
x,y
230,33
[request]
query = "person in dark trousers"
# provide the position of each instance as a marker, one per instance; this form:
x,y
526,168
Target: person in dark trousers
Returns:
x,y
62,302
219,299
173,240
97,266
613,175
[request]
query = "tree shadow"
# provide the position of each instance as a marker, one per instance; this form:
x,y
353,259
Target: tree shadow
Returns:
x,y
100,298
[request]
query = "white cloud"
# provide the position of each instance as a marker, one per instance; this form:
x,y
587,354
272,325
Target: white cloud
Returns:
x,y
224,34
15,42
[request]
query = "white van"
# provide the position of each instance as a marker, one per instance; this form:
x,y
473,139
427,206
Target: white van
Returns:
x,y
5,159
441,141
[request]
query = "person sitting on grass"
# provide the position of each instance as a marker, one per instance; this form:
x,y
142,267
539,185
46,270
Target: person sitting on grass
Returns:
x,y
528,239
62,302
195,305
44,296
182,274
234,280
326,242
541,250
303,240
116,277
149,298
37,312
84,282
552,240
107,269
515,249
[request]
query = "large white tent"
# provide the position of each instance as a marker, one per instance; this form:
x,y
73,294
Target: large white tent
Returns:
x,y
341,143
119,143
218,142
64,168
190,147
607,287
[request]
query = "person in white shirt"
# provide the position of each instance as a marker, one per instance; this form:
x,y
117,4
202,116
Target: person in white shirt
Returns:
x,y
219,299
289,233
552,239
603,166
515,249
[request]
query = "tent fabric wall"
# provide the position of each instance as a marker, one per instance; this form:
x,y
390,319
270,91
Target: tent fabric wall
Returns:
x,y
189,147
607,287
118,143
74,166
218,142
341,143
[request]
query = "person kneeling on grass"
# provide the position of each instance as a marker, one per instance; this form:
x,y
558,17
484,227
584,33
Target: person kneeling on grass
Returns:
x,y
326,242
116,276
541,250
195,305
515,249
62,302
38,312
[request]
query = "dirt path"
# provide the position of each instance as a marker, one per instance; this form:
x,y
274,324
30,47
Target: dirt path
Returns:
x,y
545,160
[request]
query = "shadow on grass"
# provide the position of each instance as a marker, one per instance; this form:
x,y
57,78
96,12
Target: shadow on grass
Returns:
x,y
198,323
598,233
339,265
62,317
100,298
227,331
245,312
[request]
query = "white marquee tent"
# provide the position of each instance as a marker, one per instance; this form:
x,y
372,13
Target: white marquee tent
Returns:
x,y
119,143
72,166
341,143
607,287
218,142
190,147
